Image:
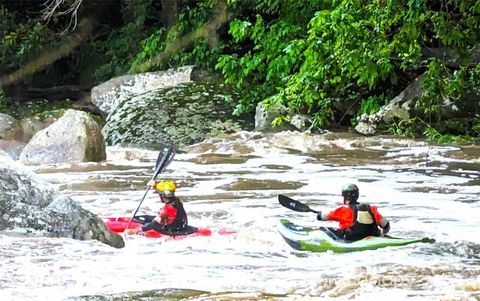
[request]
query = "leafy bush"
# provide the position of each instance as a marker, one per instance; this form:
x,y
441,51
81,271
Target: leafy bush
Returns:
x,y
342,51
20,43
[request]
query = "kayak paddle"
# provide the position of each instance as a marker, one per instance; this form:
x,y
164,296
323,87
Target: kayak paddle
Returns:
x,y
163,160
294,204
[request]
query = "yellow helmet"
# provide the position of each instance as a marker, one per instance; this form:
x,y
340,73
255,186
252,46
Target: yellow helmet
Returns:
x,y
165,187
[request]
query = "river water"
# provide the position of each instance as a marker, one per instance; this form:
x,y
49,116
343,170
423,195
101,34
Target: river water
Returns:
x,y
233,183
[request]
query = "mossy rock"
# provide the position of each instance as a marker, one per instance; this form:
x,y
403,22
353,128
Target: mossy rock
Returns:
x,y
183,115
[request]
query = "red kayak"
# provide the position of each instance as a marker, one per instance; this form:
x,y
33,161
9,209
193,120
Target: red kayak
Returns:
x,y
119,224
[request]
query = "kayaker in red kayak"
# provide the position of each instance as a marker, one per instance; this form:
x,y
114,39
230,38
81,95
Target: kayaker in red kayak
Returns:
x,y
356,220
171,218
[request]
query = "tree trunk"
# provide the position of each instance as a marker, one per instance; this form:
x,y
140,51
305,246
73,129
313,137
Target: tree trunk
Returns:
x,y
170,9
53,93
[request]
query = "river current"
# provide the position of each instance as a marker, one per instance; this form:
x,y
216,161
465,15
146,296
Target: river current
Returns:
x,y
233,183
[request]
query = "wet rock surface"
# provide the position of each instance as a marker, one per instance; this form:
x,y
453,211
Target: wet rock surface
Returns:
x,y
33,206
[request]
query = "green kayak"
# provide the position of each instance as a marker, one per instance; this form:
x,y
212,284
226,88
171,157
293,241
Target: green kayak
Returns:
x,y
322,239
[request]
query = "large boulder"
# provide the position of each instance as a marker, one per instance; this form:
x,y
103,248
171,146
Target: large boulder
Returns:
x,y
185,114
10,135
33,124
399,107
403,107
264,118
9,127
29,204
75,137
12,147
108,95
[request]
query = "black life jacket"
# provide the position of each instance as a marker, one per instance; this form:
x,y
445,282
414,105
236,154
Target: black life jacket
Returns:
x,y
364,223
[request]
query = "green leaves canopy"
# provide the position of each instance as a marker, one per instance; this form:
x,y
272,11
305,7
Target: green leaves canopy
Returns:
x,y
343,52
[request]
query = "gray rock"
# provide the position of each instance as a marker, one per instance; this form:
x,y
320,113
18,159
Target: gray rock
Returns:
x,y
399,107
264,118
75,137
301,122
185,114
403,107
9,127
32,125
31,205
108,95
12,147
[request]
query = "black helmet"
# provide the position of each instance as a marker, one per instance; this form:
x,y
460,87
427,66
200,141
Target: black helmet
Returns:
x,y
350,191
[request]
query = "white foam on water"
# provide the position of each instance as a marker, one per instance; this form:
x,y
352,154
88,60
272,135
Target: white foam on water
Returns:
x,y
419,200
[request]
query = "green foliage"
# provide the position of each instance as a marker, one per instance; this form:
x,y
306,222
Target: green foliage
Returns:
x,y
150,47
199,54
127,44
20,43
371,105
431,133
3,101
168,48
457,25
312,57
340,50
123,46
116,53
405,128
277,54
350,51
446,132
454,139
280,120
440,85
476,126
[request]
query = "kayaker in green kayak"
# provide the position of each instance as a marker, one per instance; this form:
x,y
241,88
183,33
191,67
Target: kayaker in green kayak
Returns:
x,y
171,218
356,220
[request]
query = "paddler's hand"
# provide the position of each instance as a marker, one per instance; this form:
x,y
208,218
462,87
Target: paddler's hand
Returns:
x,y
151,183
159,220
386,229
132,231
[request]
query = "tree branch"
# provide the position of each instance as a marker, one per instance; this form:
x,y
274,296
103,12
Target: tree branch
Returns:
x,y
53,8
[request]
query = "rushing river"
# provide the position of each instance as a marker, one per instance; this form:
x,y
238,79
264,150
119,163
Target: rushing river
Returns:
x,y
431,191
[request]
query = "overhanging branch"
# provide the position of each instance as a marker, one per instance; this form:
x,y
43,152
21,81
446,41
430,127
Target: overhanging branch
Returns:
x,y
57,8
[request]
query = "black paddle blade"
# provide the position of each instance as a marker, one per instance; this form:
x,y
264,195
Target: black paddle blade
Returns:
x,y
161,156
293,204
170,159
164,155
164,158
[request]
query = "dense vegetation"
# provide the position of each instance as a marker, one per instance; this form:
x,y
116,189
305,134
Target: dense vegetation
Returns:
x,y
331,60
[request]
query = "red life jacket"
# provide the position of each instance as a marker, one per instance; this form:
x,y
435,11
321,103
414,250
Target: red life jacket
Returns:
x,y
176,216
357,220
